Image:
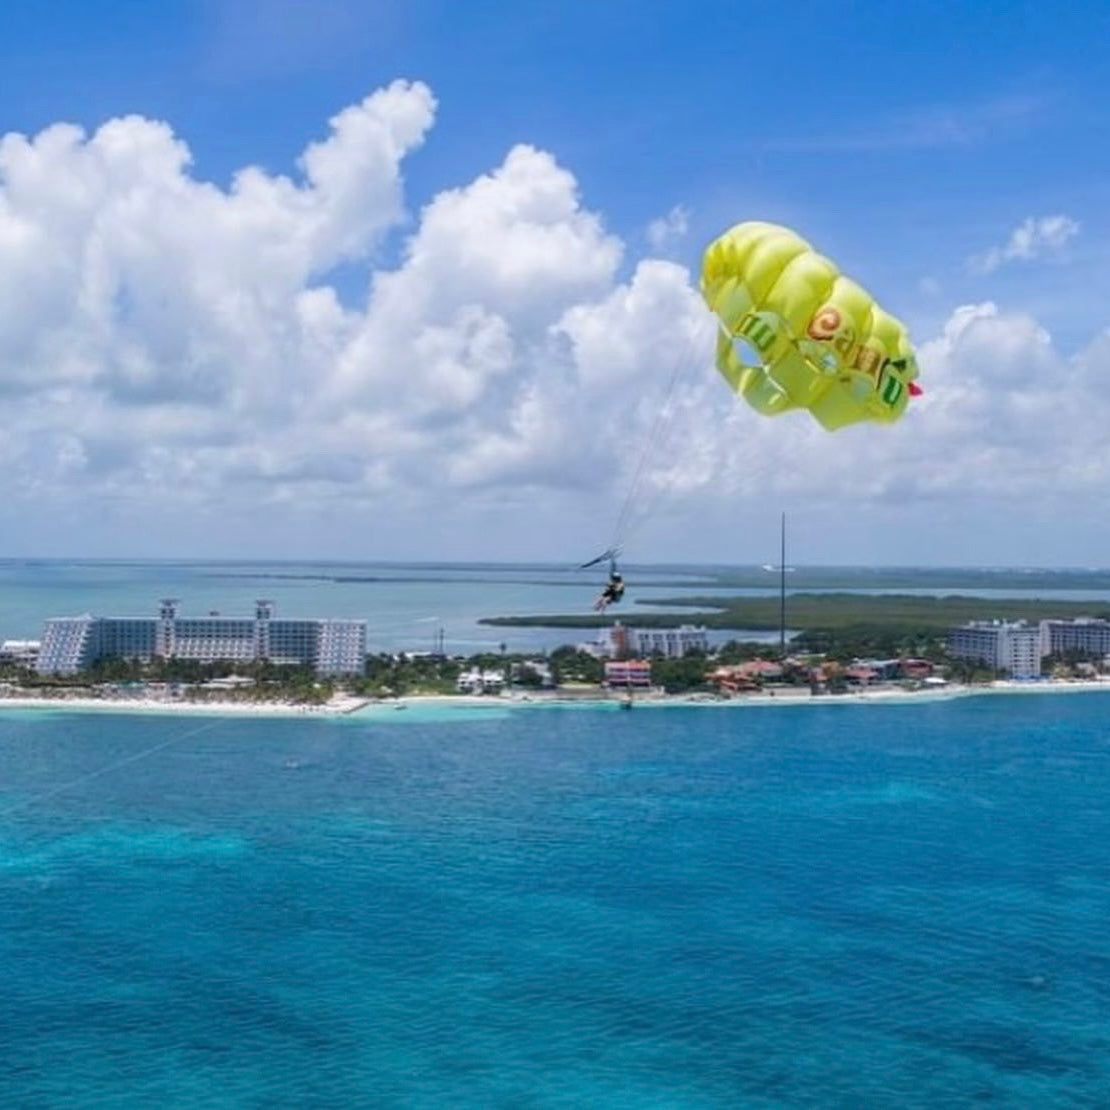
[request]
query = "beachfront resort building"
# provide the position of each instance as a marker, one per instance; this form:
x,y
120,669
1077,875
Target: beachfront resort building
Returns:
x,y
22,653
1090,635
628,674
619,641
330,647
1016,647
479,681
1019,647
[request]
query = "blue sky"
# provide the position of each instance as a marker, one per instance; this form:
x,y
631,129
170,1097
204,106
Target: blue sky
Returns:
x,y
910,142
857,122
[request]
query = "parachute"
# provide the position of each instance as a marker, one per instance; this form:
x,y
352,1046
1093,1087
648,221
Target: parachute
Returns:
x,y
794,333
821,342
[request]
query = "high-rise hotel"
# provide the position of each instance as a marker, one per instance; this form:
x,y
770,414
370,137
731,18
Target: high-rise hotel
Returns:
x,y
330,647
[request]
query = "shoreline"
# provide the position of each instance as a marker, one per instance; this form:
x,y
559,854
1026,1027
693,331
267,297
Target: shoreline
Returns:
x,y
351,707
337,707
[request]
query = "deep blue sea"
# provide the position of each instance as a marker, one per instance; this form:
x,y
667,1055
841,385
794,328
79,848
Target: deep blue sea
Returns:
x,y
814,906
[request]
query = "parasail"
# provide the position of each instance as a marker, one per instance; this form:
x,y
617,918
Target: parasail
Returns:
x,y
820,342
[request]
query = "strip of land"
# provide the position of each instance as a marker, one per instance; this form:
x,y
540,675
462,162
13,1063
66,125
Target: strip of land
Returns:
x,y
824,612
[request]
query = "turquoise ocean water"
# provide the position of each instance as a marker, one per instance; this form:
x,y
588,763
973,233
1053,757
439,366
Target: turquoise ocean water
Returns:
x,y
813,906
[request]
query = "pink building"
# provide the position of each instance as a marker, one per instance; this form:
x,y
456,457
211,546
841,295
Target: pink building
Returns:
x,y
628,674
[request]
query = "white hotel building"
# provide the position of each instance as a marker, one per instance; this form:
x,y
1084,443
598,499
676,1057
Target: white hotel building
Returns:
x,y
330,647
672,643
1019,646
1011,646
1090,635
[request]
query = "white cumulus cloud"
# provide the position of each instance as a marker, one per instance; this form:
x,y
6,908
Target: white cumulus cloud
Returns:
x,y
1035,237
665,231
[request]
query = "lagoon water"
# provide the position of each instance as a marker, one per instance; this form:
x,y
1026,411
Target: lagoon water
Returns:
x,y
405,605
811,906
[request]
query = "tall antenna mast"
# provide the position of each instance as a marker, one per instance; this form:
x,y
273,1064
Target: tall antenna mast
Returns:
x,y
782,587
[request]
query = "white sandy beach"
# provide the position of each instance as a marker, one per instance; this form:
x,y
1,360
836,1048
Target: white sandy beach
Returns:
x,y
780,697
347,705
338,706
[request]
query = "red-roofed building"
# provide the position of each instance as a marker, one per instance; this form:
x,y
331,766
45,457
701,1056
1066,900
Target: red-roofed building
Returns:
x,y
860,674
917,668
747,675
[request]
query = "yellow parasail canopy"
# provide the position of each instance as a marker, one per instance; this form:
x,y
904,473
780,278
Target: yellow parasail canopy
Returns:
x,y
820,342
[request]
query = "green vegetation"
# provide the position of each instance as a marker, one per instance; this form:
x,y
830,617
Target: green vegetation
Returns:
x,y
872,641
970,672
908,616
396,675
741,651
268,681
1069,662
568,664
680,676
949,579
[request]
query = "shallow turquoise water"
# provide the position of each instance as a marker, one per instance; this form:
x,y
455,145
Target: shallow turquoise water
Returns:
x,y
836,906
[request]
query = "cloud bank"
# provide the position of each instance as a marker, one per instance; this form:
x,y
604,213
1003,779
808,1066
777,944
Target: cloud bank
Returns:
x,y
182,349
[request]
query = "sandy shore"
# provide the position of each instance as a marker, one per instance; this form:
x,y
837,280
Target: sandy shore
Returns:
x,y
346,705
338,706
1046,686
780,697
